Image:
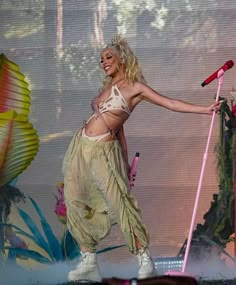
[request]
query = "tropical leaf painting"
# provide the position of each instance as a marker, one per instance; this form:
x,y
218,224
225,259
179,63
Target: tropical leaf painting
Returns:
x,y
14,91
19,142
51,248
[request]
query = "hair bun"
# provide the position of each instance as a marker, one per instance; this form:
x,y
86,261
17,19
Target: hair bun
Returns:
x,y
118,40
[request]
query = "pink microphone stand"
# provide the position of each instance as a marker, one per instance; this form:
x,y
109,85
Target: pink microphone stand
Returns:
x,y
220,82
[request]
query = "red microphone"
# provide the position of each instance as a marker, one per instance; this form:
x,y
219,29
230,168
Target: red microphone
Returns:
x,y
225,67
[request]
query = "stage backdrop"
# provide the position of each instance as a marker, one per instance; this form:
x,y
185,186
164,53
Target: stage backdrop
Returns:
x,y
179,43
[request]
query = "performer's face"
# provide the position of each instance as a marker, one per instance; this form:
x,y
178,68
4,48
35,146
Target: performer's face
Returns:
x,y
110,62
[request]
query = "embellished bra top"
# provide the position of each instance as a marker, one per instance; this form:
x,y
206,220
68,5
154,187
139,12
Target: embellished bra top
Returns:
x,y
115,101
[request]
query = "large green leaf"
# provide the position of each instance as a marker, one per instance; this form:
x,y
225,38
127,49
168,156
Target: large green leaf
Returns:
x,y
29,253
21,232
19,143
51,238
70,247
14,90
35,231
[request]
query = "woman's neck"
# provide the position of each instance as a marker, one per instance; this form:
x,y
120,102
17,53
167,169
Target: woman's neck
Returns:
x,y
117,80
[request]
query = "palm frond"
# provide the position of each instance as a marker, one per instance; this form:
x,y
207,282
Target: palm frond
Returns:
x,y
19,143
40,240
71,248
51,238
29,254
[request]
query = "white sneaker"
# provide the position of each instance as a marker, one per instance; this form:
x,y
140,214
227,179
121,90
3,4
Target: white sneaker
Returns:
x,y
146,265
86,269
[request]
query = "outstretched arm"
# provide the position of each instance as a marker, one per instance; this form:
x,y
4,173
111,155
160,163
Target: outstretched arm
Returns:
x,y
148,94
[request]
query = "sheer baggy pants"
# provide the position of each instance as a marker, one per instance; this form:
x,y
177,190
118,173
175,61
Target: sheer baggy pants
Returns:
x,y
97,195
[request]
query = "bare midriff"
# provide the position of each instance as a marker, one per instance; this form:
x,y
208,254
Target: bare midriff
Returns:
x,y
96,126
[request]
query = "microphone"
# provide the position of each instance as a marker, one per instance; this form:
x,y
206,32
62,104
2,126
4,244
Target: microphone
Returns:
x,y
225,67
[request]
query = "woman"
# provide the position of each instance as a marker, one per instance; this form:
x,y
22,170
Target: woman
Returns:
x,y
96,168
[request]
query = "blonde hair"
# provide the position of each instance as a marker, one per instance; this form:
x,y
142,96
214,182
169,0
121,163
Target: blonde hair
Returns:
x,y
133,70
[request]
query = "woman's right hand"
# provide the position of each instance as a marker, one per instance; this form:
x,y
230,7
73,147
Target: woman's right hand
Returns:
x,y
131,176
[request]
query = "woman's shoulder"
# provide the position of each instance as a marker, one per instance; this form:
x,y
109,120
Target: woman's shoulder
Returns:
x,y
132,91
139,84
137,87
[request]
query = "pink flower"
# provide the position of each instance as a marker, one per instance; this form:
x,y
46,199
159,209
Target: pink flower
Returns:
x,y
60,207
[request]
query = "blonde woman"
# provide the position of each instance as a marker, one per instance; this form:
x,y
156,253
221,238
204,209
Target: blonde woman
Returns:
x,y
96,167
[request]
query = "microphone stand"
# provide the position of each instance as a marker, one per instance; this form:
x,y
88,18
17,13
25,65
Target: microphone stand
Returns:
x,y
220,82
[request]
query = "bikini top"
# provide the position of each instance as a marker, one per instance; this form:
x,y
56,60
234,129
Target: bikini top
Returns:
x,y
115,101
